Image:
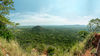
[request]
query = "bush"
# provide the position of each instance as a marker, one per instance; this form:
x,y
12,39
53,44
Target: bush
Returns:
x,y
93,51
5,32
50,51
83,34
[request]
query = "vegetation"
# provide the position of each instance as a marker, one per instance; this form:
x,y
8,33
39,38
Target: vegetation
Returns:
x,y
94,25
60,40
43,40
10,48
5,7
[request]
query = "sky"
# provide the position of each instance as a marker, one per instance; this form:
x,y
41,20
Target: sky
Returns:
x,y
55,12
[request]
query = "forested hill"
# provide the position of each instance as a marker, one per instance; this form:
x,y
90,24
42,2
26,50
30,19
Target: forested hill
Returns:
x,y
39,29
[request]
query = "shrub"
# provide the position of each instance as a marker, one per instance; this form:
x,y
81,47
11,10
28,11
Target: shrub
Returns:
x,y
7,34
50,51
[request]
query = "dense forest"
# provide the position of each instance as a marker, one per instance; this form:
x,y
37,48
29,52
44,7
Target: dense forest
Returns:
x,y
41,37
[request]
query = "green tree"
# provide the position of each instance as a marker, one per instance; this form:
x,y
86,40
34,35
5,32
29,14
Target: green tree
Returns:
x,y
94,25
83,34
5,7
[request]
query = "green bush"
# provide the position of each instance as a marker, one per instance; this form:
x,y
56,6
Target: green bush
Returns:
x,y
5,33
50,51
93,51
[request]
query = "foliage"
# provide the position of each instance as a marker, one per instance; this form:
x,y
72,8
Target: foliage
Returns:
x,y
50,51
5,7
7,34
79,48
4,31
11,48
94,25
82,34
57,41
93,50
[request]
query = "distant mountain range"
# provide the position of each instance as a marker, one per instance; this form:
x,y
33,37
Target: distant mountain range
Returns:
x,y
53,26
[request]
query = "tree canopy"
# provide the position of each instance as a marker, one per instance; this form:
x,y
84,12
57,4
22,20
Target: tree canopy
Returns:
x,y
94,25
5,7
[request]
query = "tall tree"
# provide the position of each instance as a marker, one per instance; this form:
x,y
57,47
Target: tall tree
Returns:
x,y
94,25
5,7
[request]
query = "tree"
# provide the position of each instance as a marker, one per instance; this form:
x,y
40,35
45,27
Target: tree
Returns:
x,y
83,34
94,25
5,7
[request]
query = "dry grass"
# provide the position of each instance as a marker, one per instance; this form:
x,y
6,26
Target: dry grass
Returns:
x,y
11,48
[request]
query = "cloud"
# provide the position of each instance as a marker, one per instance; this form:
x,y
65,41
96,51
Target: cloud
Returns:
x,y
47,19
82,20
38,19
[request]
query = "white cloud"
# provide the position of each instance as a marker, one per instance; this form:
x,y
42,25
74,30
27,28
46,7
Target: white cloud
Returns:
x,y
47,19
82,20
38,19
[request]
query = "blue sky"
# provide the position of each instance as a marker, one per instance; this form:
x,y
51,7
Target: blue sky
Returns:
x,y
55,12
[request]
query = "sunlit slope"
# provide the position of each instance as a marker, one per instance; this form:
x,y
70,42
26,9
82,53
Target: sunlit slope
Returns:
x,y
10,48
